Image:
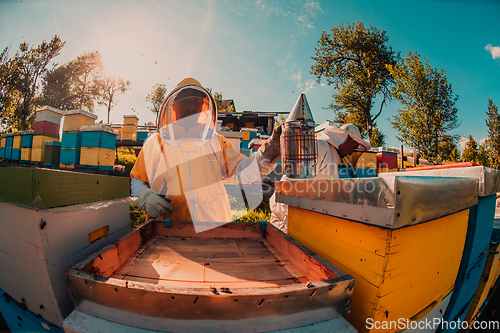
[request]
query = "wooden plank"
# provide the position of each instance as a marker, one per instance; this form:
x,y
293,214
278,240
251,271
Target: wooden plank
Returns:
x,y
128,246
310,268
105,264
260,271
225,230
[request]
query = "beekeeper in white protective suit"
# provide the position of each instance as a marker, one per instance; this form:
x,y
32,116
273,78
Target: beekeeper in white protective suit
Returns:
x,y
335,145
180,170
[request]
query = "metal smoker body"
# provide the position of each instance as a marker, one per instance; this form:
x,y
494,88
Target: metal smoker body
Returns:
x,y
298,142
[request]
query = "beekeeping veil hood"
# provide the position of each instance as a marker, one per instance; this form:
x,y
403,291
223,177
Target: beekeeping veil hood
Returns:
x,y
189,111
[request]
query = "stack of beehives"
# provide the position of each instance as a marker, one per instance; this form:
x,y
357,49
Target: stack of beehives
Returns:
x,y
72,136
48,120
98,147
129,132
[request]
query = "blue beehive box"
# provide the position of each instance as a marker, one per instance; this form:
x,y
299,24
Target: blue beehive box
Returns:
x,y
70,156
10,142
98,136
8,153
16,154
2,152
71,140
142,135
27,140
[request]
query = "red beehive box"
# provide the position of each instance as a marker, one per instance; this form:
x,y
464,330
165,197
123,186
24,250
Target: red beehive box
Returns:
x,y
387,158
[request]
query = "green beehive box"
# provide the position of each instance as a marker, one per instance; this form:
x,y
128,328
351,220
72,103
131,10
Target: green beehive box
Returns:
x,y
52,153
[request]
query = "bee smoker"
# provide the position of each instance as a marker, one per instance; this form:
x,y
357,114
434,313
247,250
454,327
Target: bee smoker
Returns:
x,y
298,142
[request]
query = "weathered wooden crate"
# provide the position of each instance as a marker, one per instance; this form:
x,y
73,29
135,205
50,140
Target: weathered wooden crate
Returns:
x,y
236,277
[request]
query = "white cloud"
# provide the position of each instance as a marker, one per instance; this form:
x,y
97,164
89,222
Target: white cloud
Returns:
x,y
462,142
309,85
494,50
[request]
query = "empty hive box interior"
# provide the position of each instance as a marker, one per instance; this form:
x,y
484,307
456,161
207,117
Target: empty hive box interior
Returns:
x,y
236,255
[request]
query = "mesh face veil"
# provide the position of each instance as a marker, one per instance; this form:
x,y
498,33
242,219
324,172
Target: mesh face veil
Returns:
x,y
188,112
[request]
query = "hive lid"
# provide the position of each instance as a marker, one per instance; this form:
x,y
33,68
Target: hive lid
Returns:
x,y
50,108
79,111
97,128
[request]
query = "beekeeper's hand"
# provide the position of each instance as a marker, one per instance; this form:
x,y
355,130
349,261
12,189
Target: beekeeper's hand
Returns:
x,y
154,204
271,148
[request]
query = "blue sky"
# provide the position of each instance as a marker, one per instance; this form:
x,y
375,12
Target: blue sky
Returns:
x,y
259,52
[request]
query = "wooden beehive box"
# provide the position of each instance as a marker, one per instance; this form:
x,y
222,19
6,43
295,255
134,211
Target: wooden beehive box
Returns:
x,y
229,278
74,119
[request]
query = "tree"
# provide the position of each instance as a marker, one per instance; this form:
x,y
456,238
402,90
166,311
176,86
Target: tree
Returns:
x,y
156,97
378,138
353,59
109,87
482,155
9,94
219,101
23,74
428,102
455,155
470,150
57,88
449,149
87,72
493,140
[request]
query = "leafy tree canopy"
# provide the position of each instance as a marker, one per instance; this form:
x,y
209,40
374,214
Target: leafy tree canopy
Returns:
x,y
156,97
429,110
20,78
353,59
470,150
493,140
219,101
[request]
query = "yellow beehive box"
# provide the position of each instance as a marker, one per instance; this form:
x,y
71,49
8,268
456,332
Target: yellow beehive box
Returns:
x,y
74,119
129,136
37,154
25,154
382,170
367,159
17,141
390,267
3,142
129,132
68,166
39,139
97,156
130,120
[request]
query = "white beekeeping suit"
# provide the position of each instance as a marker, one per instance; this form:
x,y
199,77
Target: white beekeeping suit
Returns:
x,y
181,170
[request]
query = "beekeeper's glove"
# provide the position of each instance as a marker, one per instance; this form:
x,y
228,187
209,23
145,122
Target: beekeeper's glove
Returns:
x,y
271,148
153,203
